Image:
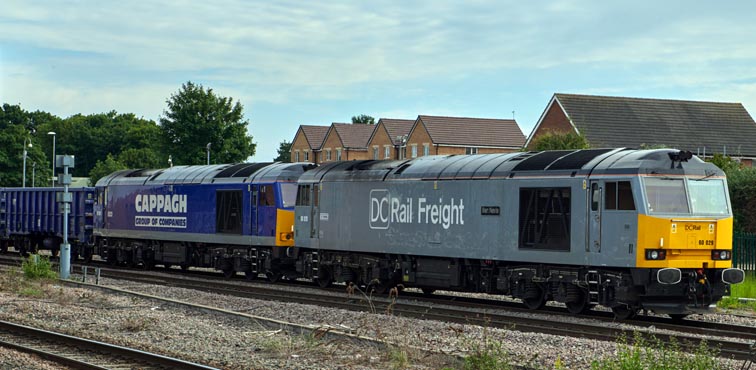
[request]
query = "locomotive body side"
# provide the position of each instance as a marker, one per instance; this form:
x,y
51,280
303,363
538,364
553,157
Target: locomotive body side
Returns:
x,y
577,227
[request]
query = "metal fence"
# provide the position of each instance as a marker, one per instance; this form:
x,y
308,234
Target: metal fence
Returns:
x,y
744,251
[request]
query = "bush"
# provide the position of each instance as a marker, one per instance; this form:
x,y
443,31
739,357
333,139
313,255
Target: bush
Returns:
x,y
38,267
559,141
742,184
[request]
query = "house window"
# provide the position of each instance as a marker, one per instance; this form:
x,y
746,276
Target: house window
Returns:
x,y
471,150
306,156
426,149
375,152
338,154
386,151
296,156
328,154
414,150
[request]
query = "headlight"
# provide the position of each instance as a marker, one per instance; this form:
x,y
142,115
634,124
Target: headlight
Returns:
x,y
656,254
721,255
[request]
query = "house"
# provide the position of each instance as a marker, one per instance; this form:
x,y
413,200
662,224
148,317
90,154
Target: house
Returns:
x,y
432,135
307,143
346,142
704,128
389,138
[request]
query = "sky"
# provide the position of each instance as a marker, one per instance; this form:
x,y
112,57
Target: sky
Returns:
x,y
316,62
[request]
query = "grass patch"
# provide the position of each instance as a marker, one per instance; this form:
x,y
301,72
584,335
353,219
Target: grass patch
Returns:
x,y
31,291
653,354
746,289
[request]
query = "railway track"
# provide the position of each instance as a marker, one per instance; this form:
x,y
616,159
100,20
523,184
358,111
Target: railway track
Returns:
x,y
733,341
80,353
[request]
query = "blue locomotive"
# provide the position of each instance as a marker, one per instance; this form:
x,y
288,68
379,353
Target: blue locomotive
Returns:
x,y
235,218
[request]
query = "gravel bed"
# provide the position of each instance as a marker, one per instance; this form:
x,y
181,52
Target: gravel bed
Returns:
x,y
229,343
12,359
432,335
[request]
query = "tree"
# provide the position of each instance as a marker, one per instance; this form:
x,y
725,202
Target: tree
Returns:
x,y
363,119
559,141
197,116
17,130
104,168
284,152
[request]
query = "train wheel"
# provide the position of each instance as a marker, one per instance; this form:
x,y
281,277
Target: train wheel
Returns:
x,y
3,246
576,299
377,287
623,312
87,255
167,266
229,273
273,276
677,316
325,277
535,297
184,266
249,275
428,291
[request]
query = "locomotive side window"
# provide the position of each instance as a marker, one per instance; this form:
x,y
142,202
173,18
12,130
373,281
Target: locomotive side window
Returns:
x,y
619,196
267,196
595,197
545,218
228,218
303,195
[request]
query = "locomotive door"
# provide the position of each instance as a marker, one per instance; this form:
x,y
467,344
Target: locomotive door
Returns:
x,y
315,212
593,242
253,210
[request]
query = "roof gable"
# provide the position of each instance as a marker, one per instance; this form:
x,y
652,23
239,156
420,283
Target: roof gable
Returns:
x,y
620,122
315,135
473,131
353,135
395,128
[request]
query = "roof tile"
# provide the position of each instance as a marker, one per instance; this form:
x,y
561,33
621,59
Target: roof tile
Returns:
x,y
473,131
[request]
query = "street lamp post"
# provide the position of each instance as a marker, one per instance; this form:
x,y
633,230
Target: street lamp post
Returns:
x,y
53,157
23,182
34,170
208,154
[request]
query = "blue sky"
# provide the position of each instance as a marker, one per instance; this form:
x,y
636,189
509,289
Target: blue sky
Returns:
x,y
311,62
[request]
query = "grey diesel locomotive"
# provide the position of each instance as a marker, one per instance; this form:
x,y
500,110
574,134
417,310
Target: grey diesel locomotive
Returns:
x,y
627,229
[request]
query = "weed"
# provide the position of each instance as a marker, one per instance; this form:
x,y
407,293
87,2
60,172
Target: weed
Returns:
x,y
38,267
654,354
399,358
488,354
135,324
746,289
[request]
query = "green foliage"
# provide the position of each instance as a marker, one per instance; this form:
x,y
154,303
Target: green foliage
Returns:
x,y
399,359
656,355
725,163
197,116
38,267
559,141
18,128
746,289
104,168
363,119
284,152
742,187
487,354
